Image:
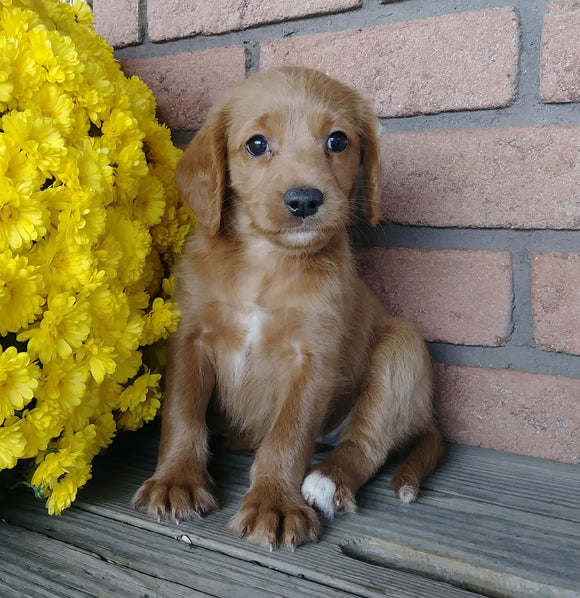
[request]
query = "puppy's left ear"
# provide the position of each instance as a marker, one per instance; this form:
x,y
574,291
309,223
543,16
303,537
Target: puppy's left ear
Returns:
x,y
371,164
202,170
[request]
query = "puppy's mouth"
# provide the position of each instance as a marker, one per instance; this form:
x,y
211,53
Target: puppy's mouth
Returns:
x,y
306,236
301,237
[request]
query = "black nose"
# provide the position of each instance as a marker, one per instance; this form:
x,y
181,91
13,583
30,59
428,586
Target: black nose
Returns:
x,y
303,201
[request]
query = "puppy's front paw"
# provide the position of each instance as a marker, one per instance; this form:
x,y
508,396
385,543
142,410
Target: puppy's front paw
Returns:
x,y
275,518
327,495
183,499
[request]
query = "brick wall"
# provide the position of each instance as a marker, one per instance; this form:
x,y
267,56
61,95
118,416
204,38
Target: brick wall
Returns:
x,y
479,100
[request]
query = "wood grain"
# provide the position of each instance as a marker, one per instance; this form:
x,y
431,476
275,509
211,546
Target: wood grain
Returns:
x,y
485,524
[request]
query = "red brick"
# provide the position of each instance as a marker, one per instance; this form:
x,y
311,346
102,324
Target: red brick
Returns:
x,y
117,21
453,62
460,297
506,410
171,19
525,177
186,85
560,58
556,301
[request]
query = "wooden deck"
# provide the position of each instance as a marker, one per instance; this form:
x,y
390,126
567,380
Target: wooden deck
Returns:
x,y
488,524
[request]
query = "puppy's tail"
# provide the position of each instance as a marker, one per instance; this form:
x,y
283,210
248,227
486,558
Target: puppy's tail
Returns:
x,y
420,462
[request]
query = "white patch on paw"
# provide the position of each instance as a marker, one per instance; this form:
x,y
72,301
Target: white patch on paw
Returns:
x,y
407,494
319,491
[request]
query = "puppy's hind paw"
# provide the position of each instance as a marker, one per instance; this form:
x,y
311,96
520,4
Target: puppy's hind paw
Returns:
x,y
407,494
324,494
319,491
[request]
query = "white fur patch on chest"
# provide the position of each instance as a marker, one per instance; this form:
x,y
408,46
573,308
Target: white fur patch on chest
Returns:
x,y
251,320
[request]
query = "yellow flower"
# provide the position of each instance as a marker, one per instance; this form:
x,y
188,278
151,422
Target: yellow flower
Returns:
x,y
68,15
160,149
77,217
15,26
142,413
40,425
12,442
119,130
90,223
55,54
138,99
152,274
110,311
18,381
168,285
138,299
130,335
108,394
127,368
105,428
131,166
15,167
143,387
66,454
66,266
82,12
17,23
95,92
99,357
20,285
73,445
86,168
108,254
65,490
51,102
94,170
36,138
160,322
22,217
6,81
149,204
64,327
134,242
51,467
101,302
170,234
64,380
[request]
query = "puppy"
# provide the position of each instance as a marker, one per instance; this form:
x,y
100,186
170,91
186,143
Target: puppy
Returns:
x,y
277,329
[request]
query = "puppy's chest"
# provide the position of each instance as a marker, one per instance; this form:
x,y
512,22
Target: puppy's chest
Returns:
x,y
254,324
252,343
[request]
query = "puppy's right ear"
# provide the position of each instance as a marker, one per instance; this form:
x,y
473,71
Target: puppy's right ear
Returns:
x,y
202,170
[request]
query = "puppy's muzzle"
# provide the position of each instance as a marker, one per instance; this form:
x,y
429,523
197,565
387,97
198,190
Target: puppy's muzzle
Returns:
x,y
303,202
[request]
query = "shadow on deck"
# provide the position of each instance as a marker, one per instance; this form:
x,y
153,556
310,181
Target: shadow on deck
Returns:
x,y
487,524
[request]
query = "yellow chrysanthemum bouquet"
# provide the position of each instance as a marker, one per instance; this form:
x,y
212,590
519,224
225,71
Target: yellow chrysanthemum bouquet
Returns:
x,y
90,221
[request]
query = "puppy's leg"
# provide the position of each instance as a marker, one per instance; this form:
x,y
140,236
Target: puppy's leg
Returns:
x,y
395,405
180,486
273,513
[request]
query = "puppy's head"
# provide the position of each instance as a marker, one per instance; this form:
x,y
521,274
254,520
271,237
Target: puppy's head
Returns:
x,y
280,158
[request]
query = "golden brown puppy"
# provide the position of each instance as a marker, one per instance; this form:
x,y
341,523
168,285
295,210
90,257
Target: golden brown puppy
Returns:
x,y
277,328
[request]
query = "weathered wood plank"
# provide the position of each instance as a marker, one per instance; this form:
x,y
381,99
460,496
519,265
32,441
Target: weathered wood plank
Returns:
x,y
161,556
498,512
483,516
32,564
491,582
206,563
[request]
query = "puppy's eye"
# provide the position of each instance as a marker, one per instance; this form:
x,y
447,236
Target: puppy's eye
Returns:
x,y
257,146
337,142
